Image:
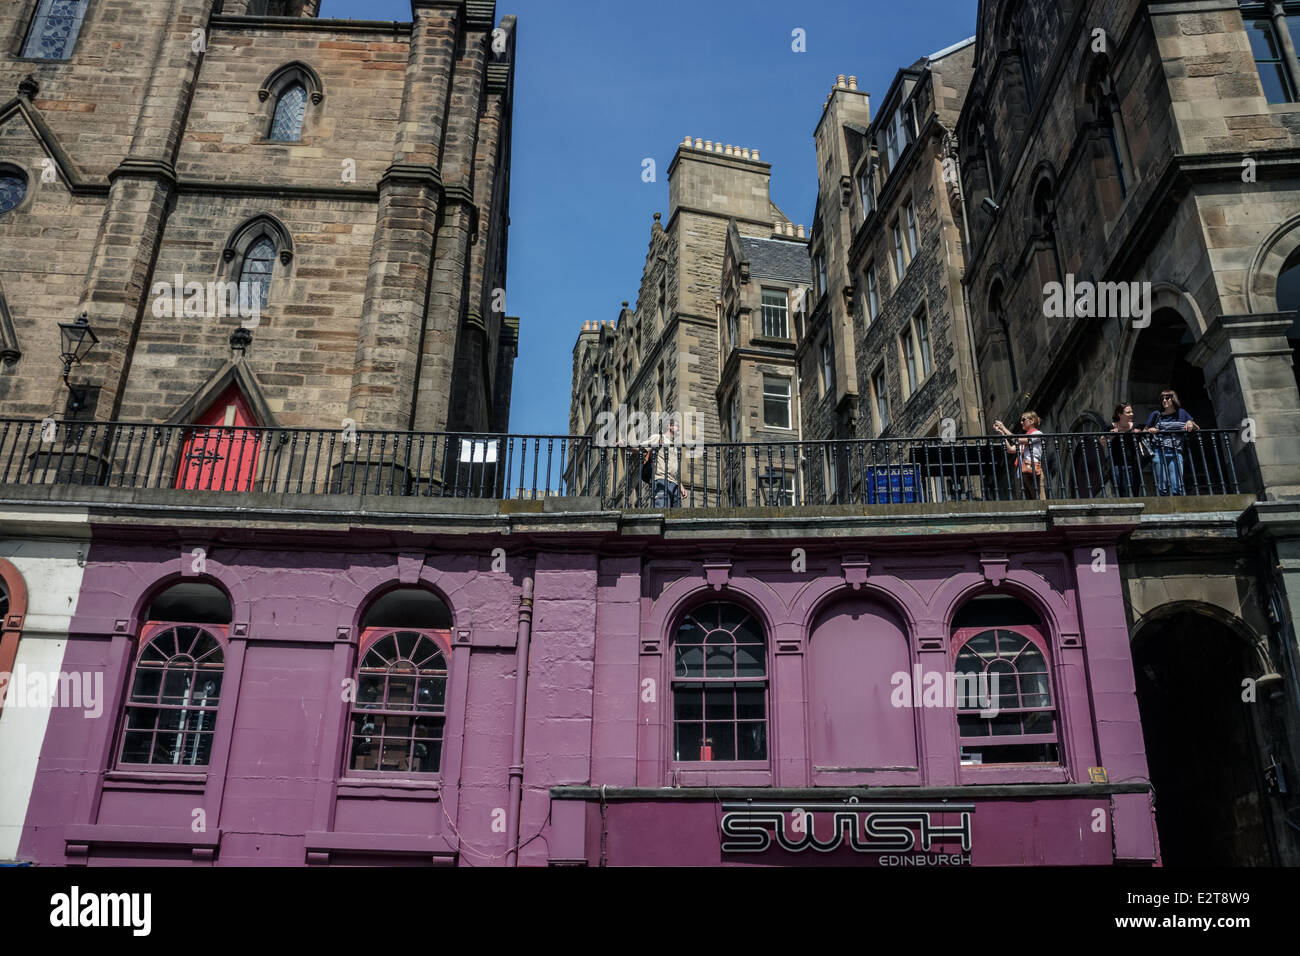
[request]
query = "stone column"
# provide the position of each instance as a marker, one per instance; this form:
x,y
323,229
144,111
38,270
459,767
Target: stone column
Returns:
x,y
444,392
401,258
142,188
1247,364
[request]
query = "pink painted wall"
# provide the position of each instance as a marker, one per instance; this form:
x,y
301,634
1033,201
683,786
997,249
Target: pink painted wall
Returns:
x,y
598,702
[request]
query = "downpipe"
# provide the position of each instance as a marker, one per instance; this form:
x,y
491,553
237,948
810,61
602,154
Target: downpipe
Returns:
x,y
517,740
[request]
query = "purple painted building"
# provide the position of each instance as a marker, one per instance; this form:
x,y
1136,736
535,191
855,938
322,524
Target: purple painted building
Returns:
x,y
701,688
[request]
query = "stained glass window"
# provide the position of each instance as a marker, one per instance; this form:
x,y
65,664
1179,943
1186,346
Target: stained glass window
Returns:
x,y
54,29
13,188
287,125
256,271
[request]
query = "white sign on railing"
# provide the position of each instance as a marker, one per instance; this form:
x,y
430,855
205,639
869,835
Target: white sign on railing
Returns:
x,y
478,451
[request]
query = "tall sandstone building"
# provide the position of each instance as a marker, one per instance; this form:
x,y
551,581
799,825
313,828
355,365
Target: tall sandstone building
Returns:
x,y
697,342
354,173
1156,144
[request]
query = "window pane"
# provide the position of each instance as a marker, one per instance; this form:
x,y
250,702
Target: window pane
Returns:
x,y
752,741
720,661
287,124
688,704
751,703
722,738
719,703
687,741
256,271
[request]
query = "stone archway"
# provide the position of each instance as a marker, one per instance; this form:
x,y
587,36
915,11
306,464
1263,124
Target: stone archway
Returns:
x,y
1202,752
1158,360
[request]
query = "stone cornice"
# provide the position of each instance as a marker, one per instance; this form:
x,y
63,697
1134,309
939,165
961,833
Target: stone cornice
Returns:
x,y
236,23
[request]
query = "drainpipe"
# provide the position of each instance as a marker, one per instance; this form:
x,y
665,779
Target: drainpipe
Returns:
x,y
517,743
965,297
1277,13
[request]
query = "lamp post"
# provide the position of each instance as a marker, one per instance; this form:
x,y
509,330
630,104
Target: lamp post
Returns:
x,y
76,340
770,480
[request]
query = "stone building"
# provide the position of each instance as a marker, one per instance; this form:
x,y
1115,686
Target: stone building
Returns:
x,y
273,224
1136,161
145,146
889,225
667,354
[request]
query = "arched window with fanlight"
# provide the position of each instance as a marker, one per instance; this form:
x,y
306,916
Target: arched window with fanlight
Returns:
x,y
719,686
175,692
1006,711
286,124
399,717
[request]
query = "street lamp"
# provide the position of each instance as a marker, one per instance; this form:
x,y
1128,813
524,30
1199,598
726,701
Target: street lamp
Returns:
x,y
76,339
769,480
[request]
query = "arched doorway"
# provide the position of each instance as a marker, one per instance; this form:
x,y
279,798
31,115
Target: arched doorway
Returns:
x,y
1160,361
1201,750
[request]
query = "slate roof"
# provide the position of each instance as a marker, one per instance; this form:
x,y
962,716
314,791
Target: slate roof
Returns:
x,y
777,259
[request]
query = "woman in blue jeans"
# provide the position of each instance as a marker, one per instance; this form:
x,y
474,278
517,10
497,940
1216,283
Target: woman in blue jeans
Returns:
x,y
1168,430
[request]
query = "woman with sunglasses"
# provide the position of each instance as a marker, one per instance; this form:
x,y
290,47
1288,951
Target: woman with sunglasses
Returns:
x,y
1029,455
1169,427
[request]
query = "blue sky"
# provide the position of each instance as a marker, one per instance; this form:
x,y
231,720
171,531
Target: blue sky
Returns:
x,y
603,84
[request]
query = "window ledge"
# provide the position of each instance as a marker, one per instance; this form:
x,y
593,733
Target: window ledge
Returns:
x,y
1007,773
320,845
145,778
404,787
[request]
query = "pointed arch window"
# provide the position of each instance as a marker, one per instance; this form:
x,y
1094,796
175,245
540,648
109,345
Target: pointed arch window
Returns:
x,y
259,262
286,125
54,29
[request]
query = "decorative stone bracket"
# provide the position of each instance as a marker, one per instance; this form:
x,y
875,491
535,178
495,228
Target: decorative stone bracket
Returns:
x,y
717,573
856,568
995,568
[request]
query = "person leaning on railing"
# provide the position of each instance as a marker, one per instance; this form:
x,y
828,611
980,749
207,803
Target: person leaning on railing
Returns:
x,y
661,467
1169,427
1029,454
1126,446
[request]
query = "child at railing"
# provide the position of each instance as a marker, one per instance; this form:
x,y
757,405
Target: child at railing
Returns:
x,y
1029,455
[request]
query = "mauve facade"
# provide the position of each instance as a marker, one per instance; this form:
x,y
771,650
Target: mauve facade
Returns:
x,y
600,784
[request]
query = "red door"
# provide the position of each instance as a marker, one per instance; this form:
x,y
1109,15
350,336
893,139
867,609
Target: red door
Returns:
x,y
220,451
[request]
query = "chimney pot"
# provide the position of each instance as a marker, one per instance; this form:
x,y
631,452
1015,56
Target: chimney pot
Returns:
x,y
687,142
799,231
708,145
755,155
853,82
699,143
745,152
840,82
728,150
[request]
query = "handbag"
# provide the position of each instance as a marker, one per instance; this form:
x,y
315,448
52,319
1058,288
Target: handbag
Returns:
x,y
1144,448
648,467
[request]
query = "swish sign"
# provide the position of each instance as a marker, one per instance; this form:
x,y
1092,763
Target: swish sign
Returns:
x,y
892,831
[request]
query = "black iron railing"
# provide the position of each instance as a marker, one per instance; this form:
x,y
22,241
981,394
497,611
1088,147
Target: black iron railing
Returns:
x,y
710,475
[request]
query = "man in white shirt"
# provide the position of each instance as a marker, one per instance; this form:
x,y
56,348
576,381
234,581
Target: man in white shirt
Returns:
x,y
661,465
